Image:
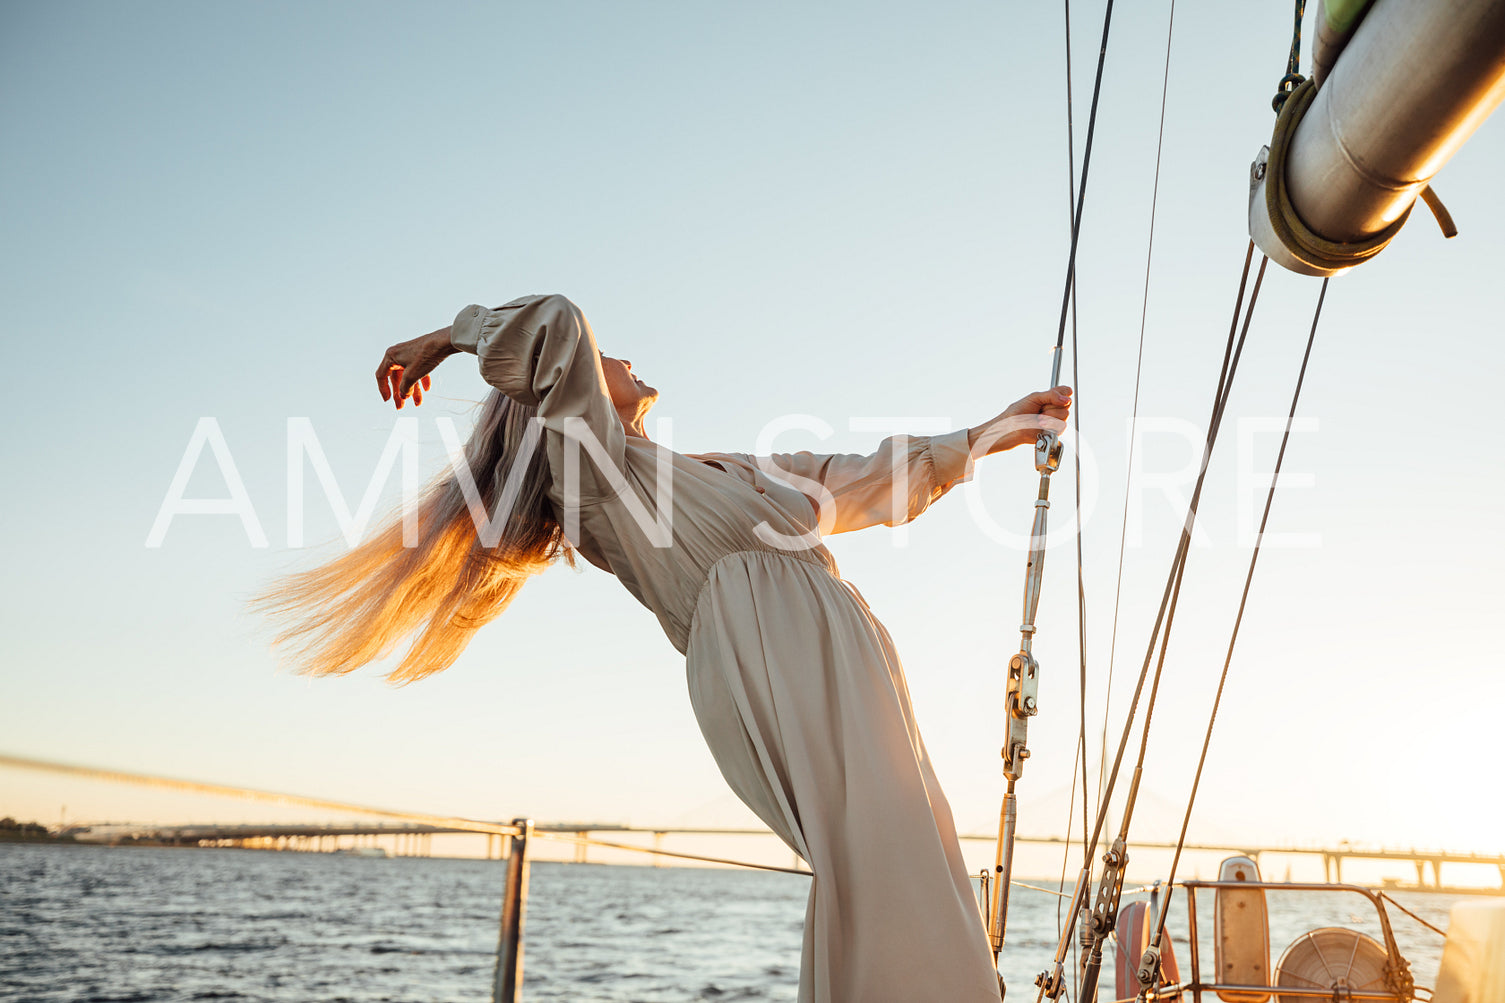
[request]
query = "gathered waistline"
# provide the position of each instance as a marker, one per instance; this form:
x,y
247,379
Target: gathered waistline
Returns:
x,y
822,566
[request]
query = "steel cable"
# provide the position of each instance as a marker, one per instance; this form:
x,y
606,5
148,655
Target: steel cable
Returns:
x,y
1243,603
1144,311
1232,352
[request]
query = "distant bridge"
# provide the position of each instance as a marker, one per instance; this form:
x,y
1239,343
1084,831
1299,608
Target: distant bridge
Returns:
x,y
414,840
1332,857
412,834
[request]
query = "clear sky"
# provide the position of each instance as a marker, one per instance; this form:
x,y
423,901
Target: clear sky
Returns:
x,y
846,211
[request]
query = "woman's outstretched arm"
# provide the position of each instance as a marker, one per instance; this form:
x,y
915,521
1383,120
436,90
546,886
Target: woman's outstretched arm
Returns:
x,y
901,479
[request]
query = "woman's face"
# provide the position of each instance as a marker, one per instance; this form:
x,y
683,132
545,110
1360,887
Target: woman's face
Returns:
x,y
628,393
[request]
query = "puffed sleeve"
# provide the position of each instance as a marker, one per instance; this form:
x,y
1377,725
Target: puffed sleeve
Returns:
x,y
886,488
540,351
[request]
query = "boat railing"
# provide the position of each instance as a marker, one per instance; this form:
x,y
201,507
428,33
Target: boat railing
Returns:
x,y
1399,989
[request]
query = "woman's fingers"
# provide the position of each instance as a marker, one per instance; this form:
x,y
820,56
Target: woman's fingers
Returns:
x,y
404,372
384,375
396,377
1054,402
1054,398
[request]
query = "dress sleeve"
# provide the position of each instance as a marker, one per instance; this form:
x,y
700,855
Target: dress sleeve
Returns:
x,y
886,488
540,351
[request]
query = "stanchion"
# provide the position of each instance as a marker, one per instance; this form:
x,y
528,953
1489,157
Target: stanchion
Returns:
x,y
508,985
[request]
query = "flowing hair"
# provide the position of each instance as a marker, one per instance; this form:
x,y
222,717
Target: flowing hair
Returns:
x,y
356,608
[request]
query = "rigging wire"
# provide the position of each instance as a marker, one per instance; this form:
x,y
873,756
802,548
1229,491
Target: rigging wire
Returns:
x,y
1081,748
1081,578
1287,83
1165,620
1144,311
1239,619
1076,224
1107,905
1230,366
1231,355
1076,457
1169,604
1049,445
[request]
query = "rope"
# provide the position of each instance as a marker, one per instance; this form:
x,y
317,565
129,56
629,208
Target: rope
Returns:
x,y
1439,212
1293,77
1408,912
1310,248
1243,603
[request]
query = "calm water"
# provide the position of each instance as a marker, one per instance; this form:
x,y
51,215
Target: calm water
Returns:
x,y
80,923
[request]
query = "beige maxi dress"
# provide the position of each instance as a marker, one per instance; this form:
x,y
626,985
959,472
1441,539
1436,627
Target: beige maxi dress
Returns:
x,y
795,684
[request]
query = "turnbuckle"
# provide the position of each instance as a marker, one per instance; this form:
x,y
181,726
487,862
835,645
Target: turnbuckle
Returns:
x,y
1104,916
1148,972
1023,703
1024,671
1023,696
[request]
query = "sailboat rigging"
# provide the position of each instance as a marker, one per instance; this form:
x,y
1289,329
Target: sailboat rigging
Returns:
x,y
1316,207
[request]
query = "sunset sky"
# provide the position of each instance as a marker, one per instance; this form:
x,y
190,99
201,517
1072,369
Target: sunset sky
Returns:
x,y
855,213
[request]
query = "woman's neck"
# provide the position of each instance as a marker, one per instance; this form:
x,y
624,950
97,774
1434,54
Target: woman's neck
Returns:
x,y
632,421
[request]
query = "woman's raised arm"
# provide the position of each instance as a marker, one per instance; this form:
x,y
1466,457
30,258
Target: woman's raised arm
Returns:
x,y
539,351
404,370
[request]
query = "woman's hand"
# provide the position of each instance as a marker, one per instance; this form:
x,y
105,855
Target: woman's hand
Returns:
x,y
1022,421
404,370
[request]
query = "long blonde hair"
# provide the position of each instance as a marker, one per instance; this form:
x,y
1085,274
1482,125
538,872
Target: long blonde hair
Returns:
x,y
356,608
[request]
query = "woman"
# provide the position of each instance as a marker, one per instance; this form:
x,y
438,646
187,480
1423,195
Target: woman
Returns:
x,y
796,686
